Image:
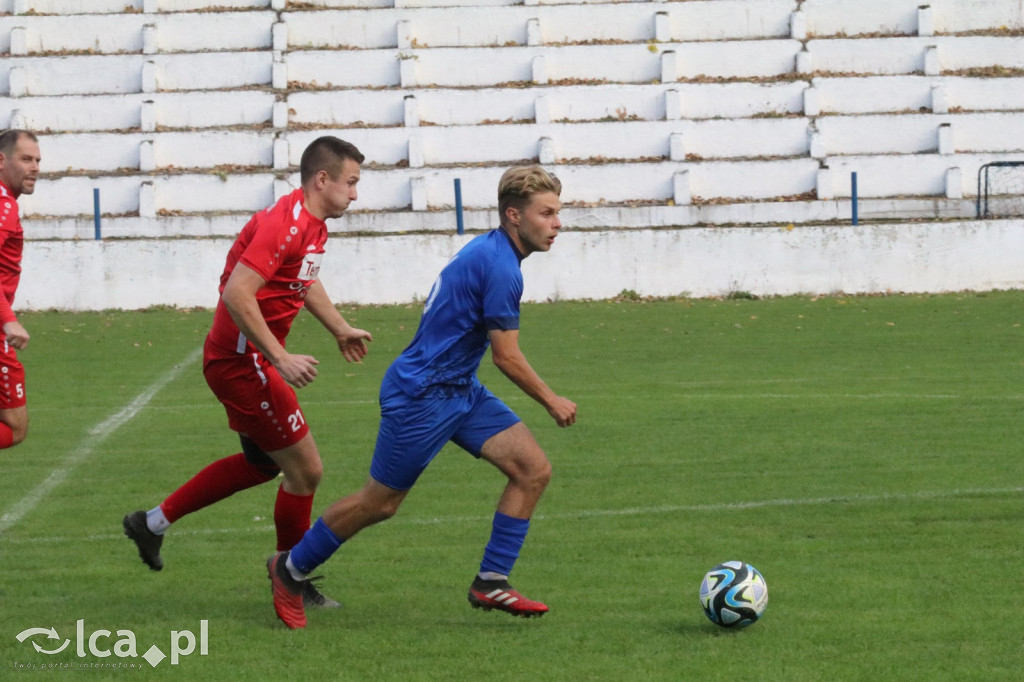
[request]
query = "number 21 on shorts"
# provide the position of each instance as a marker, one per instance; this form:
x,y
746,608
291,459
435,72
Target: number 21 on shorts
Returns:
x,y
296,420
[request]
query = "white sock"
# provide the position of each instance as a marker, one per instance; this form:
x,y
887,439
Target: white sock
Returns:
x,y
491,575
156,521
296,573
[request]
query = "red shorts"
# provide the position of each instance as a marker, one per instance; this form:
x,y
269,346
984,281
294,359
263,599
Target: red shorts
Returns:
x,y
12,378
259,402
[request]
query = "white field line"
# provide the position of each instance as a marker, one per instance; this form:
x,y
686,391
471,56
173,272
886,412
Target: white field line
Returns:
x,y
96,436
596,513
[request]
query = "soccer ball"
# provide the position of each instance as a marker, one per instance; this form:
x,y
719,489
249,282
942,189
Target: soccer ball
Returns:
x,y
733,594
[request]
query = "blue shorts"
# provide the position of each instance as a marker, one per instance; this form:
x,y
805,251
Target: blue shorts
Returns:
x,y
413,430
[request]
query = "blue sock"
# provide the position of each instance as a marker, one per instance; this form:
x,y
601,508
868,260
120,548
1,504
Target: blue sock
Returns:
x,y
507,536
316,547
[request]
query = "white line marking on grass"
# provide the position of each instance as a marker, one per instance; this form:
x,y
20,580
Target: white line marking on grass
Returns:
x,y
758,504
778,396
95,438
595,513
834,396
798,502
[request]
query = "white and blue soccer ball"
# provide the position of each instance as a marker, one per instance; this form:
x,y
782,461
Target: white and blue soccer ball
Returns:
x,y
733,594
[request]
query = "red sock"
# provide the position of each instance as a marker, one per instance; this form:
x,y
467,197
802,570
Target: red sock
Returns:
x,y
222,479
6,436
291,517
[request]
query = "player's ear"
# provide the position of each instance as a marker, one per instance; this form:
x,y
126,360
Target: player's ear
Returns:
x,y
512,216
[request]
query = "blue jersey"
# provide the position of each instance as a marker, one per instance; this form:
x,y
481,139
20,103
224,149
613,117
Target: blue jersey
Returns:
x,y
478,291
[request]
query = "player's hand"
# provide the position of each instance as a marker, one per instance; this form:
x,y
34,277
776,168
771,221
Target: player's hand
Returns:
x,y
352,344
15,335
297,370
563,411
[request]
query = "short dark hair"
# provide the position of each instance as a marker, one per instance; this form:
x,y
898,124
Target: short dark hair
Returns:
x,y
326,153
9,139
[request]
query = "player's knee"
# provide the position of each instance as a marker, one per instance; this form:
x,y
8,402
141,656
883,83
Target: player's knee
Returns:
x,y
388,509
304,477
18,435
541,473
378,513
534,474
17,424
312,473
376,507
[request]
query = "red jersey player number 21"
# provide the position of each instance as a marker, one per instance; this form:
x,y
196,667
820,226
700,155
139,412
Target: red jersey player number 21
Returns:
x,y
284,247
270,274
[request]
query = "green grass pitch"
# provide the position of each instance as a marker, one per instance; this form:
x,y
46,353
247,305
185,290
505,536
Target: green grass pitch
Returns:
x,y
862,452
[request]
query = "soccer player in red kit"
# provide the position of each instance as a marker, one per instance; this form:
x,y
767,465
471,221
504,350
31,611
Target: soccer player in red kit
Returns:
x,y
271,274
19,170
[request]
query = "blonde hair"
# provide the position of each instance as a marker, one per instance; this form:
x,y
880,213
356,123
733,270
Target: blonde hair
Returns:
x,y
518,184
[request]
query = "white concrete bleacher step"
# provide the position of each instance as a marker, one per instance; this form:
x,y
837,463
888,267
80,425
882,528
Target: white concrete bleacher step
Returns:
x,y
599,142
407,4
908,17
895,94
932,56
144,112
923,133
512,66
915,176
581,103
130,73
145,152
524,24
127,33
110,7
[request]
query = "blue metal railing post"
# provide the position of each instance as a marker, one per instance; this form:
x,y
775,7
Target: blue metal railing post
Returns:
x,y
459,225
96,213
853,197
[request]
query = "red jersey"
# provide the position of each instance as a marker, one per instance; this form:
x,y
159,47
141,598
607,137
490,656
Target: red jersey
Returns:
x,y
285,245
12,241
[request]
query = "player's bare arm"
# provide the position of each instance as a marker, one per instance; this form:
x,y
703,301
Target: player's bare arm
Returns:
x,y
16,335
240,299
508,357
351,341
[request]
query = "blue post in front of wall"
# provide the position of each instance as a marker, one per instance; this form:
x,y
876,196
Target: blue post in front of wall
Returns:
x,y
96,213
459,225
853,197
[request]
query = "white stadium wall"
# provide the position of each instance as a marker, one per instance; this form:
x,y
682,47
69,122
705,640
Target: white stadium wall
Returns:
x,y
690,136
697,262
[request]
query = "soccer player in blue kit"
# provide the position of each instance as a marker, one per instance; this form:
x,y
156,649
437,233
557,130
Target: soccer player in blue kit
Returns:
x,y
431,395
